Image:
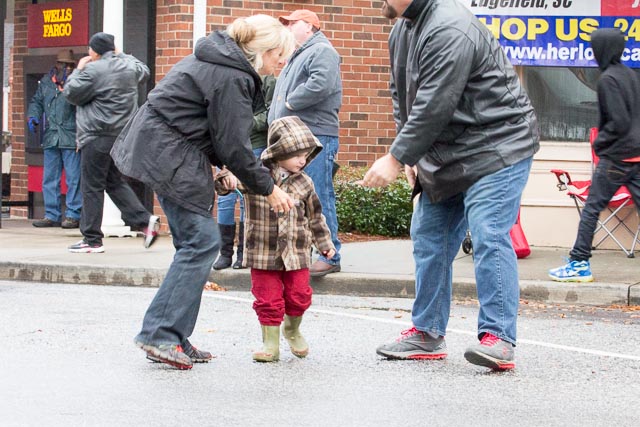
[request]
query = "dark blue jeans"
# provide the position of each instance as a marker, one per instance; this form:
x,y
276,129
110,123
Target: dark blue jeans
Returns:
x,y
172,315
608,177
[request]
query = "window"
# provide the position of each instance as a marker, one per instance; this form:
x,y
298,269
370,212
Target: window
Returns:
x,y
565,100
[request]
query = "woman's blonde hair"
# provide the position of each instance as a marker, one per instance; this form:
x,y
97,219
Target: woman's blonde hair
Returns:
x,y
258,34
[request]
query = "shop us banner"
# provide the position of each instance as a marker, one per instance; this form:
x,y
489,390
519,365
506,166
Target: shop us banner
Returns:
x,y
556,33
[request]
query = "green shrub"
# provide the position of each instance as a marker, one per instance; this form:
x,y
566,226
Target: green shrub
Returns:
x,y
378,211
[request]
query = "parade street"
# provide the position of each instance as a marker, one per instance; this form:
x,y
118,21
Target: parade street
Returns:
x,y
69,360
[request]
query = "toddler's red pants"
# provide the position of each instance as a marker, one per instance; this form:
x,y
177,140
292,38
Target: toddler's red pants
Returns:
x,y
280,292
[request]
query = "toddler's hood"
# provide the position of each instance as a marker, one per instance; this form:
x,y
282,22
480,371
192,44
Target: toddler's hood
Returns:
x,y
288,135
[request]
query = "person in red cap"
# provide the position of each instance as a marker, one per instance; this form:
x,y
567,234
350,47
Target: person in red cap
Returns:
x,y
310,87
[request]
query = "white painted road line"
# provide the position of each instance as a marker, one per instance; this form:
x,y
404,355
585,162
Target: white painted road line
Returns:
x,y
450,330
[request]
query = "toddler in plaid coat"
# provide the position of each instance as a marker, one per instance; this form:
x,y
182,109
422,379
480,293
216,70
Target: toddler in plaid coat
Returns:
x,y
277,246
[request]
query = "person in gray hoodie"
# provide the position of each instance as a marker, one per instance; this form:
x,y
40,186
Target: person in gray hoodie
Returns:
x,y
310,87
617,146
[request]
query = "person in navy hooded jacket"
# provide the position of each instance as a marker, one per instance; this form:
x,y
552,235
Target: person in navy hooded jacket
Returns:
x,y
617,145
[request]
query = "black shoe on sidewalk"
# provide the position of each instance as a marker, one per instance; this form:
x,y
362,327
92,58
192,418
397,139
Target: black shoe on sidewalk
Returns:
x,y
70,223
46,222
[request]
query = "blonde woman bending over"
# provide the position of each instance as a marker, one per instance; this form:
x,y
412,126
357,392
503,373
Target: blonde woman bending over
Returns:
x,y
200,114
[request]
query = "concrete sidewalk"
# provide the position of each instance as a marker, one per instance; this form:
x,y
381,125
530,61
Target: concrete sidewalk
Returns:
x,y
377,268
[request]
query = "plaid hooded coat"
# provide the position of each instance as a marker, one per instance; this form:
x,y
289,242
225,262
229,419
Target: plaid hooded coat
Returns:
x,y
275,242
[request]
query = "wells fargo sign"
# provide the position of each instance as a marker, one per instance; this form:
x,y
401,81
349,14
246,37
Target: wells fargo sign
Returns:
x,y
58,24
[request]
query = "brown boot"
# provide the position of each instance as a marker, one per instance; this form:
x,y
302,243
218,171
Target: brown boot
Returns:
x,y
321,268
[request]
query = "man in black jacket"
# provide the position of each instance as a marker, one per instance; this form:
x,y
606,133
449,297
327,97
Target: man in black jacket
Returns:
x,y
105,89
617,145
466,132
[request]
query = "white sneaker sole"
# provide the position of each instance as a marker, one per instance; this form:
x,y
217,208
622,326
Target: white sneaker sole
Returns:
x,y
152,231
87,250
576,279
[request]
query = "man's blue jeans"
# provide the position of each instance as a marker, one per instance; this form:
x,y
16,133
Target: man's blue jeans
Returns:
x,y
227,203
321,172
172,315
607,178
489,208
54,160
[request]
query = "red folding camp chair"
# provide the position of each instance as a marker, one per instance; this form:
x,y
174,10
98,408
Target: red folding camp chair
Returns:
x,y
579,191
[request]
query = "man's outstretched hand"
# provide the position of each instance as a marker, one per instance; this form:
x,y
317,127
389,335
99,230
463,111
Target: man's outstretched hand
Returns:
x,y
382,173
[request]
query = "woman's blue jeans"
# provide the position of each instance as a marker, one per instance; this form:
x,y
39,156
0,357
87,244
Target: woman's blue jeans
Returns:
x,y
227,204
321,172
489,208
172,315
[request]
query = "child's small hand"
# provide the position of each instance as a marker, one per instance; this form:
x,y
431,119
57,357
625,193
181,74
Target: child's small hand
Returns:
x,y
329,254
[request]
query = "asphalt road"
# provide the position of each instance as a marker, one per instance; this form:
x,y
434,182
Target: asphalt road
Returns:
x,y
69,360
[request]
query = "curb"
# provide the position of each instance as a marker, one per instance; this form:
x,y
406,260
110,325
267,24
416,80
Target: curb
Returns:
x,y
354,284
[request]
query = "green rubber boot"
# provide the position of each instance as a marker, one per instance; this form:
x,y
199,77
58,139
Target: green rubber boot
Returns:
x,y
297,343
271,345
